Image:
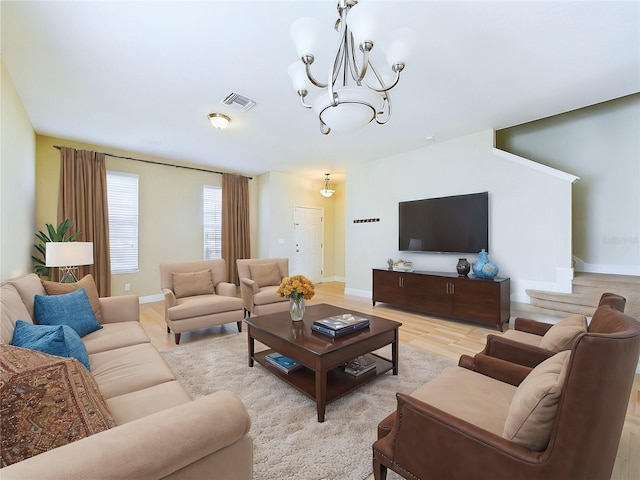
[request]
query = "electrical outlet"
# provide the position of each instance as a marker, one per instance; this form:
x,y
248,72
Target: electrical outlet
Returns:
x,y
127,287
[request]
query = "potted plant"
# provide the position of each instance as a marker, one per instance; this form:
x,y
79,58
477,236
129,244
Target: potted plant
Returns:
x,y
60,234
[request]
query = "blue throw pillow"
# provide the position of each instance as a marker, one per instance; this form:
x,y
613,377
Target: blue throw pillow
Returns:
x,y
58,340
72,309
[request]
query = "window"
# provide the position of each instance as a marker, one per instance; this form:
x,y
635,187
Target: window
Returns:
x,y
122,196
212,221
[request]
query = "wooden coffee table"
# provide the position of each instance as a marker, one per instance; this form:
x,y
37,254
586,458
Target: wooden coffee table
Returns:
x,y
319,379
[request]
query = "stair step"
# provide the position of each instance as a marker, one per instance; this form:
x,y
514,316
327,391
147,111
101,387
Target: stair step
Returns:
x,y
566,308
606,280
587,289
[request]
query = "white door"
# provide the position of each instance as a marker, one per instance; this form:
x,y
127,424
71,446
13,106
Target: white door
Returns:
x,y
308,238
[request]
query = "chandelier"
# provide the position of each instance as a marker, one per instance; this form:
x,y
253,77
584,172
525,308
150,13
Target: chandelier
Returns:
x,y
328,189
355,93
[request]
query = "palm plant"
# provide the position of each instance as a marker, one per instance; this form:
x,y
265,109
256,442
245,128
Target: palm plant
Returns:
x,y
60,234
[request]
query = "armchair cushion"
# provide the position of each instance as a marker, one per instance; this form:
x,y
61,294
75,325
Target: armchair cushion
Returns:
x,y
58,395
87,282
58,340
72,309
561,335
533,408
265,274
192,283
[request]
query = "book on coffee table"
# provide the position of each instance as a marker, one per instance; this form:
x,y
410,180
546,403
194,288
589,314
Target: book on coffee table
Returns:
x,y
338,333
360,365
340,322
281,362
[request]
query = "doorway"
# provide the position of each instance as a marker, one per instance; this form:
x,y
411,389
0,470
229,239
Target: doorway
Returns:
x,y
308,239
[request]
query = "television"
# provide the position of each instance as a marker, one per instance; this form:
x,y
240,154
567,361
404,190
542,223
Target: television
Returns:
x,y
453,224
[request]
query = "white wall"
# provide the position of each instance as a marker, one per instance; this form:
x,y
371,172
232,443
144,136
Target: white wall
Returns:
x,y
17,183
600,144
529,213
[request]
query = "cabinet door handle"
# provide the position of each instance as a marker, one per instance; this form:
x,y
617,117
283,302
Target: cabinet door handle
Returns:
x,y
453,289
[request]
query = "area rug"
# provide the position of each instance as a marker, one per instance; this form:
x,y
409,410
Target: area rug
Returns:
x,y
288,441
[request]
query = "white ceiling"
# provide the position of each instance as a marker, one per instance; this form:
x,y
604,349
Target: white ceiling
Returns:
x,y
143,76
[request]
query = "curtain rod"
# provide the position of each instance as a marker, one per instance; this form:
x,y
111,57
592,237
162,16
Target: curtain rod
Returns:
x,y
158,163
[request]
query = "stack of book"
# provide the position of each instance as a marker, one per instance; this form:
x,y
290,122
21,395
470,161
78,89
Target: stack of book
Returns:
x,y
339,325
282,363
360,365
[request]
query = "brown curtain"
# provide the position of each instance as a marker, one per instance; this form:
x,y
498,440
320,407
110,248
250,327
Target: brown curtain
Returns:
x,y
83,199
235,222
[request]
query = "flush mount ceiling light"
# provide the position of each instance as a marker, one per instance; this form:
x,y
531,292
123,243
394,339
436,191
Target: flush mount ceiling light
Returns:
x,y
328,189
356,92
219,120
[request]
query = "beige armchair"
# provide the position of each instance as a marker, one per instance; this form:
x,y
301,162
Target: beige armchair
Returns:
x,y
259,280
197,295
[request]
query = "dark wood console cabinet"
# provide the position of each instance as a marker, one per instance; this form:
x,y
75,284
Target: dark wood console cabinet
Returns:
x,y
467,298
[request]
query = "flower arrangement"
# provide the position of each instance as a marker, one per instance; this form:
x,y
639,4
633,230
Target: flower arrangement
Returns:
x,y
296,287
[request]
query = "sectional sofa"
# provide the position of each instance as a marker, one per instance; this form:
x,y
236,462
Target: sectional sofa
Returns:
x,y
149,425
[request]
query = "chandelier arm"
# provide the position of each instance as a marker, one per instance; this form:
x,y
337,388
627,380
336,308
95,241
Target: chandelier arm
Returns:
x,y
312,78
341,55
358,73
304,104
324,128
381,82
387,104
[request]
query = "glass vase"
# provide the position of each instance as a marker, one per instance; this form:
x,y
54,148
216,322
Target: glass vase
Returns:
x,y
296,308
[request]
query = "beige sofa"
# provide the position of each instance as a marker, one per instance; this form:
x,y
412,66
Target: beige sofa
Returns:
x,y
160,431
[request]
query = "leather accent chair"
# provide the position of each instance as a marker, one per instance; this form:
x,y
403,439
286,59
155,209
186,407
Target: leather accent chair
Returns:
x,y
526,343
259,280
451,426
197,295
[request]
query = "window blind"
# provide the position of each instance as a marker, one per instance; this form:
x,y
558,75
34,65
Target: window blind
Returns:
x,y
122,198
212,221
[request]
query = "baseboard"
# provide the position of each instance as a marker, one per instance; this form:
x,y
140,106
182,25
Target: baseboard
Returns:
x,y
358,293
333,279
581,266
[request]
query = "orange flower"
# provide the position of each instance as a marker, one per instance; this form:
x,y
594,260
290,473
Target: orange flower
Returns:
x,y
297,286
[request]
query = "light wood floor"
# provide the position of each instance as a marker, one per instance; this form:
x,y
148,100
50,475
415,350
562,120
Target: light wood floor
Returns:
x,y
447,338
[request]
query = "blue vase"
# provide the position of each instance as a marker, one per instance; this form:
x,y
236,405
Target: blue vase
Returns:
x,y
483,268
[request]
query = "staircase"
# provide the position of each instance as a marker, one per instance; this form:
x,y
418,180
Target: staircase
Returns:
x,y
587,289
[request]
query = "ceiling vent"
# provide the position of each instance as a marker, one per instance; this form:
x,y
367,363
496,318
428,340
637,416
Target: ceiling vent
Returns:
x,y
238,102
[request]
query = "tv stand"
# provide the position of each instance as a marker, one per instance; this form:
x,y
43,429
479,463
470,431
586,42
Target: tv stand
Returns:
x,y
446,294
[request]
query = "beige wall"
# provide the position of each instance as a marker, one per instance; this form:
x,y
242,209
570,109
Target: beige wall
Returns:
x,y
278,193
170,209
17,182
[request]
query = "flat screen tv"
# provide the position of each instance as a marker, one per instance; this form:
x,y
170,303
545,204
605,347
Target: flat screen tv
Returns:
x,y
454,224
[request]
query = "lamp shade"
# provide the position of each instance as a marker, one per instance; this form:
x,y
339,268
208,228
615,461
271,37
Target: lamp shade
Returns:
x,y
298,74
398,45
219,120
68,254
306,33
357,107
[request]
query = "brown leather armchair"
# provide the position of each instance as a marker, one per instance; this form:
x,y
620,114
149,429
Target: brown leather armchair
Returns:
x,y
450,427
528,342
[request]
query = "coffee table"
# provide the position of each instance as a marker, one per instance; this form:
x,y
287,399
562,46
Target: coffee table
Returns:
x,y
320,355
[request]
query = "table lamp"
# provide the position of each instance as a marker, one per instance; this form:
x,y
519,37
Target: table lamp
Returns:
x,y
68,256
